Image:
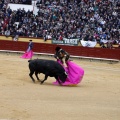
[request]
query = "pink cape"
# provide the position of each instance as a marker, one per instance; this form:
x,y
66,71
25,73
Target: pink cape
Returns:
x,y
75,74
27,55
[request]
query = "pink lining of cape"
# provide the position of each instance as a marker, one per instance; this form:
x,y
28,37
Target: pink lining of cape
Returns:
x,y
27,55
75,74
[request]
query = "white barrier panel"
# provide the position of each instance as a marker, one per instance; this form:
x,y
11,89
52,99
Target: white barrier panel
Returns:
x,y
20,6
88,43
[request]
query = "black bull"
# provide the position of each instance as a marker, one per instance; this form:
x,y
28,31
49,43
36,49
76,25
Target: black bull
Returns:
x,y
48,68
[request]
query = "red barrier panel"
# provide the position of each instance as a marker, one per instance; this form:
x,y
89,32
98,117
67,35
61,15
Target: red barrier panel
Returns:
x,y
73,50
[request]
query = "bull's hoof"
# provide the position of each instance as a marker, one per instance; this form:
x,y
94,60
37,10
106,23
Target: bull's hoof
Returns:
x,y
33,81
42,82
60,84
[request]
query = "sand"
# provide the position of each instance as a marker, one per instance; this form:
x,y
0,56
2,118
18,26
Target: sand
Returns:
x,y
97,97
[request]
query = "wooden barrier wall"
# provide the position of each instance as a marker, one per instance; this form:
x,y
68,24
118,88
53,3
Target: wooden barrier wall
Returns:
x,y
73,50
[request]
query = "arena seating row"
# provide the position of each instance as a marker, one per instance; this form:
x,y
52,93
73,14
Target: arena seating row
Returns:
x,y
39,40
25,39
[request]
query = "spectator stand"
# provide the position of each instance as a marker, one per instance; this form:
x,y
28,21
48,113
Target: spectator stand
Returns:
x,y
49,41
96,20
25,39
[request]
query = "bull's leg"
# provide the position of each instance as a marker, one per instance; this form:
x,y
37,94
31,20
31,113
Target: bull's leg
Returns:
x,y
46,76
36,74
57,78
31,73
60,83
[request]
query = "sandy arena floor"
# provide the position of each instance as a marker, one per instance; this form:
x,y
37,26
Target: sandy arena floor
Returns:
x,y
97,97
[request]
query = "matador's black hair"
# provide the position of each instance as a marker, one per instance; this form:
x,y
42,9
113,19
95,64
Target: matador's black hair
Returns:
x,y
57,48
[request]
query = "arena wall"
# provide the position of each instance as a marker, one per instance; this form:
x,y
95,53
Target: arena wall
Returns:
x,y
75,51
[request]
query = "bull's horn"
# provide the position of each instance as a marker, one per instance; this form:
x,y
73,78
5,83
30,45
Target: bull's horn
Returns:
x,y
66,73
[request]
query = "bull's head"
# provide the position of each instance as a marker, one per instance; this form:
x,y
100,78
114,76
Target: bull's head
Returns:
x,y
63,76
